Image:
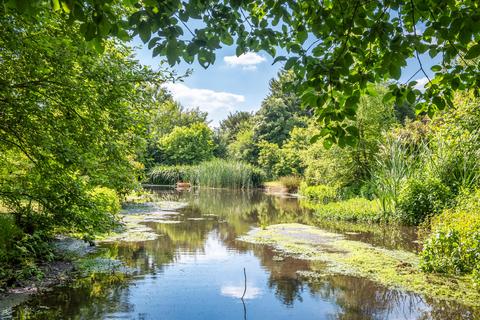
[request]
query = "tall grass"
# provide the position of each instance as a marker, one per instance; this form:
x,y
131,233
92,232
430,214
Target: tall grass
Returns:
x,y
216,173
395,164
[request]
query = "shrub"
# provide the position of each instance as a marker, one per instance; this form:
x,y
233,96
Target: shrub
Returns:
x,y
454,244
321,193
421,198
292,183
355,209
187,145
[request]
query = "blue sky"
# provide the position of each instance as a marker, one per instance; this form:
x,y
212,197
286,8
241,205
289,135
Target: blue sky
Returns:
x,y
238,83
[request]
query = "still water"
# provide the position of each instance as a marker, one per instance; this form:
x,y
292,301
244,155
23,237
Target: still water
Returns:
x,y
194,270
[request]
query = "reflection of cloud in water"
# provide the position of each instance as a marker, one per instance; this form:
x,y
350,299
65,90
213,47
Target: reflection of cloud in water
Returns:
x,y
236,292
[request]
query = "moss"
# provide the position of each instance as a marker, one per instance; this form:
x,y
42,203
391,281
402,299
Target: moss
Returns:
x,y
392,268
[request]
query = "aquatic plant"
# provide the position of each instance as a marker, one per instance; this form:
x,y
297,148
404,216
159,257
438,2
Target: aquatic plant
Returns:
x,y
321,193
216,173
355,209
454,244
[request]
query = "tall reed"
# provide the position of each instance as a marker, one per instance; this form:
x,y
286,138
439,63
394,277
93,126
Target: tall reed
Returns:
x,y
216,173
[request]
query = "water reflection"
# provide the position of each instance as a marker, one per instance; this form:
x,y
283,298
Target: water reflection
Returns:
x,y
194,270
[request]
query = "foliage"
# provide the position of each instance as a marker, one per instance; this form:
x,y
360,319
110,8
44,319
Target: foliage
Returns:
x,y
420,198
73,121
244,148
216,173
340,47
454,244
169,175
292,183
234,122
279,113
165,116
219,173
394,165
187,145
355,209
322,194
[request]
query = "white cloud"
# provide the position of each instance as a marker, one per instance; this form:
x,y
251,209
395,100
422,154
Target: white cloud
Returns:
x,y
205,99
247,61
421,83
237,292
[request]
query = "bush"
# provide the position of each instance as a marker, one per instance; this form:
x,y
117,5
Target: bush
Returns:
x,y
355,209
454,244
187,145
292,183
321,193
421,198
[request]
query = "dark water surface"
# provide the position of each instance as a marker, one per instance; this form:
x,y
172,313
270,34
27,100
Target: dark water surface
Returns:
x,y
194,270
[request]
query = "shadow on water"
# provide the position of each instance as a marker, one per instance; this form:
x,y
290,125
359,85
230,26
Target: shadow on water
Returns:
x,y
194,270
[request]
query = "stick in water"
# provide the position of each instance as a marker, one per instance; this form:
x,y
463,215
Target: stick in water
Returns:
x,y
245,289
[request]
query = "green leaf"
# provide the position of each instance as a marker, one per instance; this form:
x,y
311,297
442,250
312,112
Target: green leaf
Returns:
x,y
290,62
395,71
473,52
144,31
172,53
278,59
227,39
436,68
56,5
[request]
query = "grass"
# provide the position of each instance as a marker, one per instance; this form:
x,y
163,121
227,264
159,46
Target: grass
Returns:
x,y
353,210
391,268
216,173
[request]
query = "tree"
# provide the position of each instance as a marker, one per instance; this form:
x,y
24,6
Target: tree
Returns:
x,y
337,47
187,145
234,123
280,111
72,121
166,115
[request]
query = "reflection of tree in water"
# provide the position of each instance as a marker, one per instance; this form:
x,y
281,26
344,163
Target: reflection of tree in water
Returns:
x,y
89,298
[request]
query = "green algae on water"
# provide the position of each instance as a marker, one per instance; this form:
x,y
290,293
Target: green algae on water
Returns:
x,y
392,268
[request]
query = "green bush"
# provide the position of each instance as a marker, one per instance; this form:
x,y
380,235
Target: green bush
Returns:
x,y
453,246
19,252
321,193
292,183
187,145
355,209
421,198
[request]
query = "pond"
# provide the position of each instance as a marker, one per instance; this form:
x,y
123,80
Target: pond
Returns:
x,y
195,270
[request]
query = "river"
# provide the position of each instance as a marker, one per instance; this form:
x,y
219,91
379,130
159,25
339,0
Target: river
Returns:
x,y
195,270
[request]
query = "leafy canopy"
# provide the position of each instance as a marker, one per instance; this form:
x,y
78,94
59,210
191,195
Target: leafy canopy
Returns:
x,y
338,47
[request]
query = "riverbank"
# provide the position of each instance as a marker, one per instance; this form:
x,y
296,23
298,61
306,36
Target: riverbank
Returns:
x,y
336,255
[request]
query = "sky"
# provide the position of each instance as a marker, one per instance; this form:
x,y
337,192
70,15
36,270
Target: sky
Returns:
x,y
238,83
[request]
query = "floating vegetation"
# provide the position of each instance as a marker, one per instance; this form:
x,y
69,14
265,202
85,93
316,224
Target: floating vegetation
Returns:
x,y
392,268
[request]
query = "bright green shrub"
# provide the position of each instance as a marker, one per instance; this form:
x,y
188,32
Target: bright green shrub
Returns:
x,y
187,145
355,209
454,244
106,200
321,193
292,183
420,198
